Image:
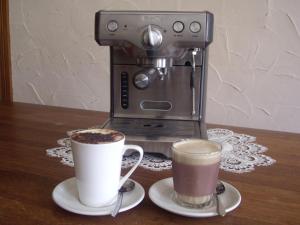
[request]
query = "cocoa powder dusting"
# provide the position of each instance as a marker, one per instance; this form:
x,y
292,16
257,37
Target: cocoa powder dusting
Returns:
x,y
97,138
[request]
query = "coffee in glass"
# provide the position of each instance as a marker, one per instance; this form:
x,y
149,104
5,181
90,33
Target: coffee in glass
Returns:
x,y
195,171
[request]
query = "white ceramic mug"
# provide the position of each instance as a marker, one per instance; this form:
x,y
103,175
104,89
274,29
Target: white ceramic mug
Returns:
x,y
98,166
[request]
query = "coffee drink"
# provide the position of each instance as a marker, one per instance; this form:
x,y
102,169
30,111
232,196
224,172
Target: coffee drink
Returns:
x,y
97,155
195,171
97,136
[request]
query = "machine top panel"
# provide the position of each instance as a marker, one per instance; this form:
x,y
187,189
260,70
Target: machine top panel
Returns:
x,y
154,30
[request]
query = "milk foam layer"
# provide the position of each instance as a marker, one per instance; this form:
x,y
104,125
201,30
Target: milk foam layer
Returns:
x,y
191,200
196,152
97,136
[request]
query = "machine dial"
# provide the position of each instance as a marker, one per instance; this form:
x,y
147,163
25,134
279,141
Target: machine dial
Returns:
x,y
178,26
152,37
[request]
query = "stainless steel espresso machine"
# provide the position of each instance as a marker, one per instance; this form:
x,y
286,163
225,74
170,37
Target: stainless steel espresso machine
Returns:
x,y
158,64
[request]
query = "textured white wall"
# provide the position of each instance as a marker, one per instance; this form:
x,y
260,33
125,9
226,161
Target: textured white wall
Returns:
x,y
254,64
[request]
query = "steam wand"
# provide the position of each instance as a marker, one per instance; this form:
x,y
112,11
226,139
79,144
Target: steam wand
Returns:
x,y
192,82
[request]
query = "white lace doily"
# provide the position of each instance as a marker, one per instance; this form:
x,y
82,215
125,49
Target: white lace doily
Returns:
x,y
239,153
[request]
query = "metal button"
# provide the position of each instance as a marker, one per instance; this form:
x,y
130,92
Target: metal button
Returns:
x,y
195,27
112,26
178,27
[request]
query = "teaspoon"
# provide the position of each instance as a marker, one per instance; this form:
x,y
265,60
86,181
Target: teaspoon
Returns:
x,y
127,186
219,190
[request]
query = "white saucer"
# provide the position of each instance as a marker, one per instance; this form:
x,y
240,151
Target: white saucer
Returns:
x,y
65,195
161,193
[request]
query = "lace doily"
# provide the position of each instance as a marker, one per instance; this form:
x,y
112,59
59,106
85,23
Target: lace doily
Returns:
x,y
239,153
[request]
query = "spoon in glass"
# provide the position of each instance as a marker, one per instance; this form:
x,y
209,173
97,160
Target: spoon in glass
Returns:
x,y
127,186
219,190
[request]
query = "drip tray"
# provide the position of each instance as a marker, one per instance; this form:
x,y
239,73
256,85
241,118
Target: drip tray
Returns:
x,y
155,135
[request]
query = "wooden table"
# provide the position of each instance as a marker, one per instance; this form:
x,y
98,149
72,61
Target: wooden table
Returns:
x,y
270,195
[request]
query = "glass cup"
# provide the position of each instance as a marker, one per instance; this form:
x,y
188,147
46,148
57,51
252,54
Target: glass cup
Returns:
x,y
97,155
195,168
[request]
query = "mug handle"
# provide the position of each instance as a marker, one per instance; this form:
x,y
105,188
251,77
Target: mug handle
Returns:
x,y
140,150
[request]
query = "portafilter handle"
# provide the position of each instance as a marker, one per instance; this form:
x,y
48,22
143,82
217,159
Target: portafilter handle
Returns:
x,y
143,78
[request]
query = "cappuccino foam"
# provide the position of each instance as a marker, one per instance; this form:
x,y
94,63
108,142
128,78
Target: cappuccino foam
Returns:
x,y
196,152
97,136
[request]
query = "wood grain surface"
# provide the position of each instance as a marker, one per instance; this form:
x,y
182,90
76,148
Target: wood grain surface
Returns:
x,y
270,195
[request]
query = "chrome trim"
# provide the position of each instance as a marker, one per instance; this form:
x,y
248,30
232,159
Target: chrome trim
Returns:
x,y
150,101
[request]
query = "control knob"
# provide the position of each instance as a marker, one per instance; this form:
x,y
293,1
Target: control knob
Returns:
x,y
152,37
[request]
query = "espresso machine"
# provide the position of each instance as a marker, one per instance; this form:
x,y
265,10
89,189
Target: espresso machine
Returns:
x,y
158,69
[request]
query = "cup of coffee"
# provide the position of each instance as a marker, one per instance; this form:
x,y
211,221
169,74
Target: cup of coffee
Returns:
x,y
195,168
97,155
